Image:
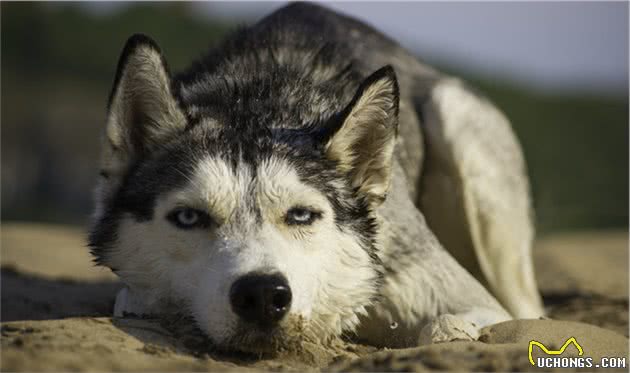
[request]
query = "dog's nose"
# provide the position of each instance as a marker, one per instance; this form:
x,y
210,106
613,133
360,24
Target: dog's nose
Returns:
x,y
261,299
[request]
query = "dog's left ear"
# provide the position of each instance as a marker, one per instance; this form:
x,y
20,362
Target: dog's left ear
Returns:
x,y
142,111
363,145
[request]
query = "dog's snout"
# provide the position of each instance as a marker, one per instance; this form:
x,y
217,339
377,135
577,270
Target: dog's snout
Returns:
x,y
261,299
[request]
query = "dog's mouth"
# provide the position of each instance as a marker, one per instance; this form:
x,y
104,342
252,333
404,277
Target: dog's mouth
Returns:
x,y
292,340
287,336
258,341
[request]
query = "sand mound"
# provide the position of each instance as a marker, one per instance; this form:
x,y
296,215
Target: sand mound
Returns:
x,y
104,344
503,347
91,343
56,308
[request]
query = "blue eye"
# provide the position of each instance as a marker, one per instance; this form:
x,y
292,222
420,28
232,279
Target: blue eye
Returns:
x,y
187,218
301,216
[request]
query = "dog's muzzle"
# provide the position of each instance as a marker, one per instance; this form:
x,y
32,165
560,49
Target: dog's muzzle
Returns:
x,y
261,299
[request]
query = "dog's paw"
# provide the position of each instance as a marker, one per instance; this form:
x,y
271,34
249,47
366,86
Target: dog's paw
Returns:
x,y
446,328
127,303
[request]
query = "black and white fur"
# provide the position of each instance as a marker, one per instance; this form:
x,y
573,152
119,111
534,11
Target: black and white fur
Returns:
x,y
311,147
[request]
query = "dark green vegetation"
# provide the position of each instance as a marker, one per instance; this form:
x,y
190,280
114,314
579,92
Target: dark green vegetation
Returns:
x,y
58,63
577,153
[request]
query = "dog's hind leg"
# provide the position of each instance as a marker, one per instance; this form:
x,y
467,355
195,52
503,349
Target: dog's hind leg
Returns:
x,y
475,194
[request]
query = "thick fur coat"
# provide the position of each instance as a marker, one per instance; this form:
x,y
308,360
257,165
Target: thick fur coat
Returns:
x,y
313,151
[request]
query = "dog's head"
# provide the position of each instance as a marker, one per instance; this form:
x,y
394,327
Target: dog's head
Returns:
x,y
263,232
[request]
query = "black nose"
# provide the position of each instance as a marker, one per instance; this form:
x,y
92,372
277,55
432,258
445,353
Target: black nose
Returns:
x,y
261,299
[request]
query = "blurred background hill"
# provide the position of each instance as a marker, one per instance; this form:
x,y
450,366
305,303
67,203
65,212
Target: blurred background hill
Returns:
x,y
58,62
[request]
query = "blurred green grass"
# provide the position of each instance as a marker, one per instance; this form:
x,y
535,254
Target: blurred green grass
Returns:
x,y
58,63
577,153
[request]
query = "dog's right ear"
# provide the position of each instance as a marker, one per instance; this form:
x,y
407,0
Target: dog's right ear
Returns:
x,y
142,111
364,135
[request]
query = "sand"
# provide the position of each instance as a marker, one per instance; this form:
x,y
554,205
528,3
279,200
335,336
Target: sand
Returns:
x,y
56,310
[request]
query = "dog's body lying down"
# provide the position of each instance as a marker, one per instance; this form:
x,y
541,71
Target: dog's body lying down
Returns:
x,y
301,181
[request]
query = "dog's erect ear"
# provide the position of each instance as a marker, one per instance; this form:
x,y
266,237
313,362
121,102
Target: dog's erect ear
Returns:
x,y
363,144
142,111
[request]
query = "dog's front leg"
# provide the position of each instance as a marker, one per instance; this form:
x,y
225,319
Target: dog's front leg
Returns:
x,y
446,328
459,327
426,296
430,300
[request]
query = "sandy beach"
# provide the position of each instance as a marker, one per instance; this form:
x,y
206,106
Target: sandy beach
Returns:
x,y
56,316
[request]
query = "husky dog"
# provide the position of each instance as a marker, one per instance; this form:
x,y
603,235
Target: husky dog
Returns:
x,y
309,178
